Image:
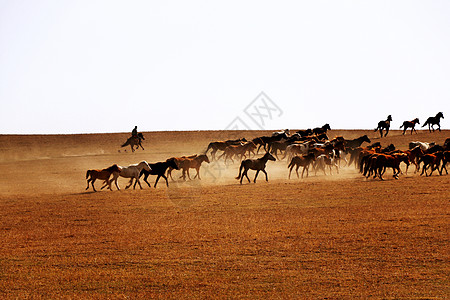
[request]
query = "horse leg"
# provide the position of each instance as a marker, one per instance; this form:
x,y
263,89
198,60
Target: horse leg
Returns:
x,y
115,181
198,173
137,181
307,171
145,179
264,171
89,180
167,182
256,175
92,183
130,183
245,173
157,178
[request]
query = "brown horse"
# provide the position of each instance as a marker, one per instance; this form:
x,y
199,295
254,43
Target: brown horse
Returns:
x,y
383,161
410,124
414,155
445,161
221,145
178,161
431,161
301,161
238,151
258,164
104,174
192,163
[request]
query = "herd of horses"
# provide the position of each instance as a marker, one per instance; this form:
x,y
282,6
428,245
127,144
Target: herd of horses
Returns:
x,y
431,122
307,149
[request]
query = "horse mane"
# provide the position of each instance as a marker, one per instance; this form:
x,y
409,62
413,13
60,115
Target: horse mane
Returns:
x,y
113,168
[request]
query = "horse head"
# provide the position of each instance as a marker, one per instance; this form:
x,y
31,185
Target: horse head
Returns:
x,y
440,115
269,156
143,164
389,118
141,136
172,163
365,138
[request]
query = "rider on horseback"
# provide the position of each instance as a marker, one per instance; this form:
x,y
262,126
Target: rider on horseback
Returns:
x,y
134,132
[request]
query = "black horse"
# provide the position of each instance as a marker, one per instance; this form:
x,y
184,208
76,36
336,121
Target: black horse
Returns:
x,y
264,141
384,125
159,169
323,129
436,120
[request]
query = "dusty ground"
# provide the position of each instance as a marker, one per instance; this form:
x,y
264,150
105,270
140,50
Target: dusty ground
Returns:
x,y
338,236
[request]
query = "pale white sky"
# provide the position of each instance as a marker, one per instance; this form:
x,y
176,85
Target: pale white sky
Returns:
x,y
106,66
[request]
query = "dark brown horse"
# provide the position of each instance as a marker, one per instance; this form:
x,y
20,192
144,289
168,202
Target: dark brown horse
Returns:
x,y
104,174
135,141
384,125
410,124
258,164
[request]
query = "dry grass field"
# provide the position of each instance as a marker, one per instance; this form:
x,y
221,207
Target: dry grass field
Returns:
x,y
337,236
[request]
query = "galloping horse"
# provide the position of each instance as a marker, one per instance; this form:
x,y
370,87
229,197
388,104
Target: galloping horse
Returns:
x,y
254,164
135,141
323,129
431,121
408,124
159,169
92,175
133,172
384,125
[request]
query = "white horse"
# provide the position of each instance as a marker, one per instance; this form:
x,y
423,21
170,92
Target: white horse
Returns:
x,y
423,145
133,172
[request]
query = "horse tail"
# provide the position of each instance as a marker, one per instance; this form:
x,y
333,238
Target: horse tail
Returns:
x,y
125,144
425,124
402,125
88,173
240,170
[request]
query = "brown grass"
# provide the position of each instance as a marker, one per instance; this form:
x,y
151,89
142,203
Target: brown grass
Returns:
x,y
339,236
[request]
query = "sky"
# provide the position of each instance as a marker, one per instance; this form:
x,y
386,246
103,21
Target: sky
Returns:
x,y
107,66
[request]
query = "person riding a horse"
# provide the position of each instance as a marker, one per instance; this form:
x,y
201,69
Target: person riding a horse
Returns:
x,y
134,132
